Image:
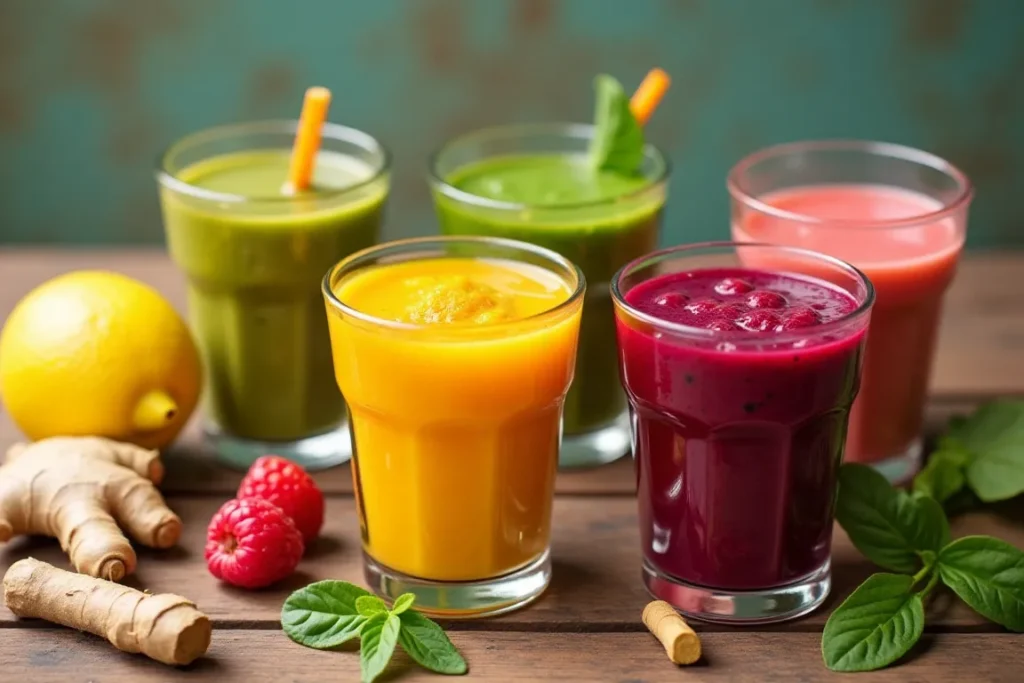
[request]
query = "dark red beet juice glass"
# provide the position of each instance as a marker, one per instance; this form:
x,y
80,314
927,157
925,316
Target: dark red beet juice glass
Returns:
x,y
741,362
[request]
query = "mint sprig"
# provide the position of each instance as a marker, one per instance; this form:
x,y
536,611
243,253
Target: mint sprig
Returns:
x,y
984,452
909,534
618,142
326,614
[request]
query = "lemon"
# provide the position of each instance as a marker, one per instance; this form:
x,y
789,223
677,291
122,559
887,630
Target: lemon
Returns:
x,y
98,353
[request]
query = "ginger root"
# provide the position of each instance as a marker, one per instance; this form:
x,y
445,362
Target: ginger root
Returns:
x,y
73,488
681,642
165,627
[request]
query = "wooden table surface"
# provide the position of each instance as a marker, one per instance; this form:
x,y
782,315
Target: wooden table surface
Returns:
x,y
587,625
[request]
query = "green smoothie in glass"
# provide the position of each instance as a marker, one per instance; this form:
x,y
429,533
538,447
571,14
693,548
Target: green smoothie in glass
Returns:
x,y
539,184
254,255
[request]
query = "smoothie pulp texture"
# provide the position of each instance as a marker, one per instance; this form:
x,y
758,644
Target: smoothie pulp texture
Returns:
x,y
910,267
598,220
455,386
739,428
254,269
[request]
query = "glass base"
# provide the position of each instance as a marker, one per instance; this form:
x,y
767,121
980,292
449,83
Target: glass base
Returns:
x,y
899,469
597,447
313,453
463,599
738,608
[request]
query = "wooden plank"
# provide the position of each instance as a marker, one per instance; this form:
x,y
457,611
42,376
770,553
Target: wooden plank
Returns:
x,y
43,655
981,340
596,582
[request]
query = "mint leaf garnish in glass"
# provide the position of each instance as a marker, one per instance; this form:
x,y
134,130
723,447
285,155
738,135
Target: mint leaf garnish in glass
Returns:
x,y
326,614
618,142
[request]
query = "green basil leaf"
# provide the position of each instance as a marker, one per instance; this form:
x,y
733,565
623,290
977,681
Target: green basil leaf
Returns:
x,y
987,574
888,526
932,533
943,476
429,646
618,142
368,605
378,637
994,437
875,626
403,603
323,614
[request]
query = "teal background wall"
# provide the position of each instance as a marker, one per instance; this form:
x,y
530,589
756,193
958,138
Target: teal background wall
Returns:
x,y
91,90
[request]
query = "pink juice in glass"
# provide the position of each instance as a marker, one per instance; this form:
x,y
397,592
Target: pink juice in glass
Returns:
x,y
740,383
898,215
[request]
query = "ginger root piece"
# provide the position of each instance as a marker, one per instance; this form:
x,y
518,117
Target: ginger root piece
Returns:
x,y
681,642
164,627
74,488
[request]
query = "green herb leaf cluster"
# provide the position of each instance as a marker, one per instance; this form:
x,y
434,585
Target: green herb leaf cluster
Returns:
x,y
909,534
326,614
618,142
984,452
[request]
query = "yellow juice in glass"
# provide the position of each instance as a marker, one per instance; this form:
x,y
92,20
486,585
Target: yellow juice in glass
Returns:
x,y
454,356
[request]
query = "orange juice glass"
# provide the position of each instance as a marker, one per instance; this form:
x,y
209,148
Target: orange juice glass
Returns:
x,y
900,216
454,356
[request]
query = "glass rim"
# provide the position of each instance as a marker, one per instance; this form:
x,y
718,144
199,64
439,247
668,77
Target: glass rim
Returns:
x,y
566,128
618,296
365,255
333,131
736,186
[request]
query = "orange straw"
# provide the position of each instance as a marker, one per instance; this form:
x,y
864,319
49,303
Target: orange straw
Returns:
x,y
307,141
646,98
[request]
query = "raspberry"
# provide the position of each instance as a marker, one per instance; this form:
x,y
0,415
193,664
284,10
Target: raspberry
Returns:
x,y
798,318
730,311
722,325
252,543
766,299
733,285
672,299
287,486
701,308
758,321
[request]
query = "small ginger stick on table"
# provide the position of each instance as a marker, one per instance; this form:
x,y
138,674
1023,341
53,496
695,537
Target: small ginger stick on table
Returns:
x,y
681,642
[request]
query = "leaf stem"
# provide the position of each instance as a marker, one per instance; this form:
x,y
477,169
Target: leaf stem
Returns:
x,y
924,572
929,586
